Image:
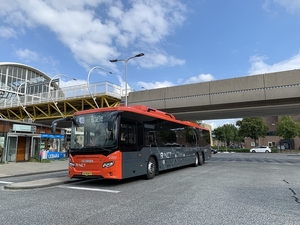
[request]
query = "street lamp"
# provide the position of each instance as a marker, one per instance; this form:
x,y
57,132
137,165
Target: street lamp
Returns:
x,y
18,97
49,89
126,70
88,82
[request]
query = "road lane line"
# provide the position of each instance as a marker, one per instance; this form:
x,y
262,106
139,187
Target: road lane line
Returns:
x,y
91,189
5,182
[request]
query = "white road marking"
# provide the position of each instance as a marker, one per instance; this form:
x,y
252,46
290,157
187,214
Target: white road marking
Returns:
x,y
90,189
5,182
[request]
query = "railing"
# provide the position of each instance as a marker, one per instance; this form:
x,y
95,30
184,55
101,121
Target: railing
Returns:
x,y
65,93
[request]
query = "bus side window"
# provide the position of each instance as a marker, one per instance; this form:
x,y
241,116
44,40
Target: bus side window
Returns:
x,y
124,137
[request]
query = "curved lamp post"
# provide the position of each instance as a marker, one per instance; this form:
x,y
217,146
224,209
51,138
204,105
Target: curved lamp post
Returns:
x,y
126,70
88,82
49,89
23,107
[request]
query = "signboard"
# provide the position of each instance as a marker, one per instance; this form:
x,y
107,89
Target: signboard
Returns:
x,y
52,155
57,136
24,128
56,155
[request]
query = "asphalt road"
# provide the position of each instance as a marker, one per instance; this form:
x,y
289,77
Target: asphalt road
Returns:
x,y
228,189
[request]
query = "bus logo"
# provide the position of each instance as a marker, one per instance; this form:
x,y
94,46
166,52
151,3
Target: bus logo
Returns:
x,y
87,161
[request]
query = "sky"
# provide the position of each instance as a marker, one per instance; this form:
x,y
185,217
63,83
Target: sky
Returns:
x,y
183,41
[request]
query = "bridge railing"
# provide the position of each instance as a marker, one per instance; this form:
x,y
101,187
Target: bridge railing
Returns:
x,y
65,93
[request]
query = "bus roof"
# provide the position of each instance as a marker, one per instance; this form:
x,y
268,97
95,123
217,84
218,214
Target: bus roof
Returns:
x,y
144,110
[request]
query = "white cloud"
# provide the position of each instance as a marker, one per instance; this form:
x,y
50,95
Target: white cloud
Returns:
x,y
292,6
259,66
159,84
31,56
200,78
69,83
148,21
155,85
94,29
27,55
218,123
156,58
7,32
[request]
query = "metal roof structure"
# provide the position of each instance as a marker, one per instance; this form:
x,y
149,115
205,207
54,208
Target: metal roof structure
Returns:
x,y
27,94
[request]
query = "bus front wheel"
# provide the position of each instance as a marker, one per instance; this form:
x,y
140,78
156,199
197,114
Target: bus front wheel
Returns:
x,y
151,168
201,159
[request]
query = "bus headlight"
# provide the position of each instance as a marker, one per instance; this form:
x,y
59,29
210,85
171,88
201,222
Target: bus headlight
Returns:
x,y
108,164
71,164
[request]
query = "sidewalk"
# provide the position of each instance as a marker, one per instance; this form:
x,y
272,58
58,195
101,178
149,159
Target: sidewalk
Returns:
x,y
13,169
26,168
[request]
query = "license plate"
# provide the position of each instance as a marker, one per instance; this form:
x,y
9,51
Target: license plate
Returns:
x,y
87,173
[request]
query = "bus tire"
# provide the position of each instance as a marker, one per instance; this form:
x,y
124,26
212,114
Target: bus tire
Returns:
x,y
201,159
151,168
196,162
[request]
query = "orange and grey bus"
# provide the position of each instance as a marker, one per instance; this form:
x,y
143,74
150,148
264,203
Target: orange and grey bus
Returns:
x,y
127,141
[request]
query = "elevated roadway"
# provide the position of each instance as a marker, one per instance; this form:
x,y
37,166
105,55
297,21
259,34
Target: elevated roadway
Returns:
x,y
258,95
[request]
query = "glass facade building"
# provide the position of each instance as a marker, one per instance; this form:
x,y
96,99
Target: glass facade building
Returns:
x,y
19,79
19,140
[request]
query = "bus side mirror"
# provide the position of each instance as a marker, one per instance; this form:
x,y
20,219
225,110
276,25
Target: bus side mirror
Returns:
x,y
53,127
55,122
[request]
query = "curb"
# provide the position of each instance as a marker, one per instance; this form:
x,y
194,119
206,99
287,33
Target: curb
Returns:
x,y
33,173
48,182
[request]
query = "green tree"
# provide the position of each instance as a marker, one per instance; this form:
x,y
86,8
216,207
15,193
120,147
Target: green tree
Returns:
x,y
226,133
288,128
253,127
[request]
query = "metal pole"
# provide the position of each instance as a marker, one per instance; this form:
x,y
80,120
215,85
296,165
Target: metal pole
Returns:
x,y
18,97
126,71
88,82
50,96
126,81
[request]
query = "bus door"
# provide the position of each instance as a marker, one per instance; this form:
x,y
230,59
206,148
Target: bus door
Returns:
x,y
128,137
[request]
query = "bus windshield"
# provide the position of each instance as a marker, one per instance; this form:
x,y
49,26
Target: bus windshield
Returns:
x,y
94,132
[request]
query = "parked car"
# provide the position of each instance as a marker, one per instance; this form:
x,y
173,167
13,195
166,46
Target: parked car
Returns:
x,y
214,151
265,149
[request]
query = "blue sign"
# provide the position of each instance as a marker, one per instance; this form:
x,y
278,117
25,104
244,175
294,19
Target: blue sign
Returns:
x,y
56,155
57,136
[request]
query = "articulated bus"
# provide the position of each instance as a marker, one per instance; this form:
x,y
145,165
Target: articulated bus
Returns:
x,y
127,141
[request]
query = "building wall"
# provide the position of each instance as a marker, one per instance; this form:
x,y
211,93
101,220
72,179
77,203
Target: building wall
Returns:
x,y
27,143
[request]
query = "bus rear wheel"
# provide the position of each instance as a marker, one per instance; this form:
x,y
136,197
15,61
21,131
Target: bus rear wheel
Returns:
x,y
151,168
196,162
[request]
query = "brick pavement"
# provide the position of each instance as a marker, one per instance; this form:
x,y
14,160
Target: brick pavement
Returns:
x,y
25,168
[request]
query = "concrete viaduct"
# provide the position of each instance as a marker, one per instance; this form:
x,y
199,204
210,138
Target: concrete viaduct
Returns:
x,y
267,94
271,94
